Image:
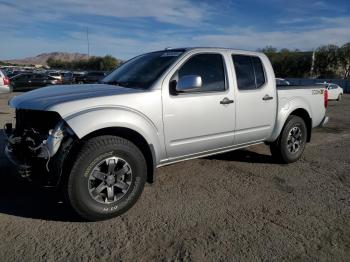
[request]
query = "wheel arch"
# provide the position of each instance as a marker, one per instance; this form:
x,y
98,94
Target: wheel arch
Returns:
x,y
123,122
147,149
303,114
296,107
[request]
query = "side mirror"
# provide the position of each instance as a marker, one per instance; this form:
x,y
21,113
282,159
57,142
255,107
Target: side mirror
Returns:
x,y
189,83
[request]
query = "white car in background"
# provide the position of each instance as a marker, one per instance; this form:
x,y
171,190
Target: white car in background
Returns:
x,y
282,82
56,75
4,83
335,92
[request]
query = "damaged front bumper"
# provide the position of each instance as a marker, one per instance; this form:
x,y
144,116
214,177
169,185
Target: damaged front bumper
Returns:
x,y
22,168
39,157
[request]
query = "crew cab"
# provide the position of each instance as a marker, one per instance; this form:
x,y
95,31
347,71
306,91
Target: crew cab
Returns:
x,y
102,142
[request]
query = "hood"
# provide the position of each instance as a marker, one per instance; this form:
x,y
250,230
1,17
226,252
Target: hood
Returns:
x,y
46,97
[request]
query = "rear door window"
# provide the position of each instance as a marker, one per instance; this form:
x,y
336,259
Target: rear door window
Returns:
x,y
244,72
250,72
23,77
259,71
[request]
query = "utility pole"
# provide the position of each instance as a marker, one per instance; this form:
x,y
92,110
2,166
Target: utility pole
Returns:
x,y
312,71
87,39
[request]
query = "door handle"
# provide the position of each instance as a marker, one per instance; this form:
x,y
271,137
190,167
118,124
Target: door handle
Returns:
x,y
226,101
267,97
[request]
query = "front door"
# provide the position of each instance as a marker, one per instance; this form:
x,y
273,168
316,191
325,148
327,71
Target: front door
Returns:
x,y
200,121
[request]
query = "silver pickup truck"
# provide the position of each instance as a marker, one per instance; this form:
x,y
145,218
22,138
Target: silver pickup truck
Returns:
x,y
101,142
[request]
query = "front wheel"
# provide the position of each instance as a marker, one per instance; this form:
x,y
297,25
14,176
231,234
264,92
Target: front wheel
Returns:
x,y
290,145
107,178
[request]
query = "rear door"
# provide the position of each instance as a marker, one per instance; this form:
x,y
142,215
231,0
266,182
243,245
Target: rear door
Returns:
x,y
256,98
21,81
198,122
37,80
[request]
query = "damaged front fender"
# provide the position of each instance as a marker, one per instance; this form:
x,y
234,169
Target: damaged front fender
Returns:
x,y
50,146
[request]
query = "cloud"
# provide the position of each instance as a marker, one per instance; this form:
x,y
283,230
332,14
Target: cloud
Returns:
x,y
128,28
127,47
303,40
180,12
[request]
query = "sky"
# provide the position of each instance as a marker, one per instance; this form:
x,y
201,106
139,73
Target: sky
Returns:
x,y
127,28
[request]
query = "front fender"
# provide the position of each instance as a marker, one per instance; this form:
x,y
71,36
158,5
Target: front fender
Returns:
x,y
285,109
90,120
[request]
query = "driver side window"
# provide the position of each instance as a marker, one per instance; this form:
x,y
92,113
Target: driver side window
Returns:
x,y
210,67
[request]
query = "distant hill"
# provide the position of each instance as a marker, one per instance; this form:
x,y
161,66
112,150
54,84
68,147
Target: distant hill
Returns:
x,y
42,58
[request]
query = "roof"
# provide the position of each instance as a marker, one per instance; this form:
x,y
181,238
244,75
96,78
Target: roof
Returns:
x,y
212,48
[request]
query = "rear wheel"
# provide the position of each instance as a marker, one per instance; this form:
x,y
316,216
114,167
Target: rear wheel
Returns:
x,y
107,178
290,145
339,97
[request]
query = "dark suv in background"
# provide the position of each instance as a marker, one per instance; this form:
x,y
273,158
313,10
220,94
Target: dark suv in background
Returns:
x,y
27,81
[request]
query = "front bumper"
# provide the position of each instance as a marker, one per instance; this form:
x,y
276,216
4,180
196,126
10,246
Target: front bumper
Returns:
x,y
23,169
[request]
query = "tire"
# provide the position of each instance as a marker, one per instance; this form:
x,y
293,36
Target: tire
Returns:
x,y
104,157
339,97
289,147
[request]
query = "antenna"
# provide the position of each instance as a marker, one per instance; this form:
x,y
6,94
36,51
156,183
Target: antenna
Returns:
x,y
87,39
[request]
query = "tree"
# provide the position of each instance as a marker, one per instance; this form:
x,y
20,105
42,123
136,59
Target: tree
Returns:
x,y
344,60
268,50
57,64
105,63
109,63
288,63
326,61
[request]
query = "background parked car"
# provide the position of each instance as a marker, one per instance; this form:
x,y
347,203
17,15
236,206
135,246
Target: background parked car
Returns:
x,y
4,83
67,78
335,92
90,77
56,75
11,74
32,81
282,82
77,76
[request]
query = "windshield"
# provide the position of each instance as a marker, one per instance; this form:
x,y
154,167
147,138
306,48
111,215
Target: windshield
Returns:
x,y
142,71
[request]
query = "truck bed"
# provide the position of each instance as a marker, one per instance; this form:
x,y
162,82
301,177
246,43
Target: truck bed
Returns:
x,y
288,87
311,97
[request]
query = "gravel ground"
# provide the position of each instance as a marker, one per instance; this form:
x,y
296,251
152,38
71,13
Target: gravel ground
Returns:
x,y
235,206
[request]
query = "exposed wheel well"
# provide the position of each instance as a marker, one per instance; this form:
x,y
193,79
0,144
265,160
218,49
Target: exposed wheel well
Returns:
x,y
308,121
134,137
